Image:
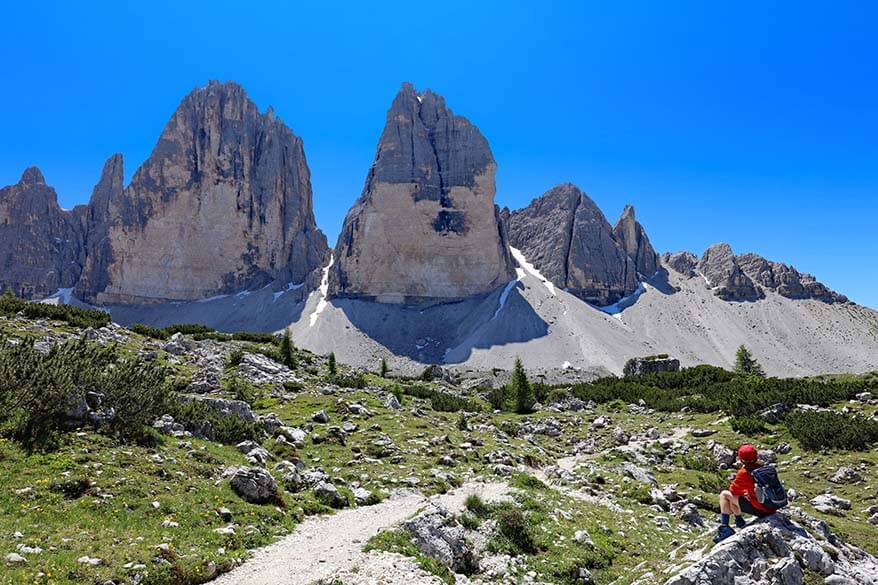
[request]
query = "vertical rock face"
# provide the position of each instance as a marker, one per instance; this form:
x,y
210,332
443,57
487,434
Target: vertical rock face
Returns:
x,y
723,274
96,222
633,239
569,240
425,227
40,244
223,203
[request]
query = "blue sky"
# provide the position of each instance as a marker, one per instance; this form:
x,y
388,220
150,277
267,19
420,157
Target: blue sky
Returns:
x,y
753,123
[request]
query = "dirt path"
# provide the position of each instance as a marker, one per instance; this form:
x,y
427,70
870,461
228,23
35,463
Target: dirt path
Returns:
x,y
322,546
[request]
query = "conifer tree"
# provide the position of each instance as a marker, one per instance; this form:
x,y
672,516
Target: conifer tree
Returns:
x,y
520,387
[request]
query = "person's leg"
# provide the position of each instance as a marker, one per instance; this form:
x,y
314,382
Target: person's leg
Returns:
x,y
727,506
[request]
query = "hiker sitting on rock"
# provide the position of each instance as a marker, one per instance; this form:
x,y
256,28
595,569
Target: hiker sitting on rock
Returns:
x,y
754,491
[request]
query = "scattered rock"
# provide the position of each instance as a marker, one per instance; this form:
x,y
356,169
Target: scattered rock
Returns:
x,y
254,484
438,534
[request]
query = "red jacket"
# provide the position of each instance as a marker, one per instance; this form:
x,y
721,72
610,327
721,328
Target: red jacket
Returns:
x,y
745,486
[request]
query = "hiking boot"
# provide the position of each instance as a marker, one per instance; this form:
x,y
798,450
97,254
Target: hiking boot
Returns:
x,y
740,522
723,533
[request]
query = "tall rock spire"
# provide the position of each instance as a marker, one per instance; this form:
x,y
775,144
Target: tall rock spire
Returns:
x,y
632,237
425,227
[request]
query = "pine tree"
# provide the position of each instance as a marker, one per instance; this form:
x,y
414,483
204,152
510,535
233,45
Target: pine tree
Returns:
x,y
384,368
746,364
520,387
288,351
333,367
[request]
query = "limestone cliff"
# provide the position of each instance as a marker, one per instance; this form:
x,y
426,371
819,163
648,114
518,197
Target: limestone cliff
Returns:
x,y
40,244
223,203
425,227
569,240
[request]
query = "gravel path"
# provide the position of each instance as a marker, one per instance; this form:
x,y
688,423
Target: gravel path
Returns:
x,y
322,546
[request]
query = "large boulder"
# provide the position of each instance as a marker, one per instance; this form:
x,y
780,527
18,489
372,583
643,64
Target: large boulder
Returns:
x,y
254,484
568,239
438,534
223,203
425,227
777,550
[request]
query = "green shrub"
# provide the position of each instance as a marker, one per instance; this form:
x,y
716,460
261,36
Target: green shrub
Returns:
x,y
354,380
10,305
469,521
332,365
698,461
748,425
817,430
235,358
38,392
512,524
383,369
199,418
497,398
443,401
475,504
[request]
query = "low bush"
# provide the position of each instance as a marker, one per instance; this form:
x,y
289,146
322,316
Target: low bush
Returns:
x,y
477,506
43,396
817,430
748,425
443,401
10,305
515,528
199,418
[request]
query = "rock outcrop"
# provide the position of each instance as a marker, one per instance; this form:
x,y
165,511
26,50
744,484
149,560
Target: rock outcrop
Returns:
x,y
779,550
425,227
222,204
721,271
40,244
682,262
568,239
633,239
786,280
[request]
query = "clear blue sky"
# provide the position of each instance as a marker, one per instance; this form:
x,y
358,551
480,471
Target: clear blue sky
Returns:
x,y
755,123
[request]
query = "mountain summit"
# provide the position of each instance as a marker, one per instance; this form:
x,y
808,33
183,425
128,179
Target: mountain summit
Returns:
x,y
425,227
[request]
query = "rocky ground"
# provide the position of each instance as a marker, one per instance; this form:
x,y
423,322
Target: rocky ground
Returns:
x,y
359,478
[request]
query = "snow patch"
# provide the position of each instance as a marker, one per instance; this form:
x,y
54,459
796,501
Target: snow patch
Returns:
x,y
210,299
290,286
519,274
530,269
62,296
324,290
616,308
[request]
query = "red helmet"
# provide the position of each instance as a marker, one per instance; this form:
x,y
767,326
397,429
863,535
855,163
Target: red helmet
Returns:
x,y
747,454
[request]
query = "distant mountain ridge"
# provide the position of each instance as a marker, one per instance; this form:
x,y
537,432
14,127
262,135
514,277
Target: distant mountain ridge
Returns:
x,y
217,226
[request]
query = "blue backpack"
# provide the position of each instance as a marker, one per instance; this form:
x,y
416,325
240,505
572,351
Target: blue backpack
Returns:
x,y
769,490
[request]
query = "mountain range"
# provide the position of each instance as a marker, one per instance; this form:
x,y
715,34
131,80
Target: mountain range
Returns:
x,y
217,227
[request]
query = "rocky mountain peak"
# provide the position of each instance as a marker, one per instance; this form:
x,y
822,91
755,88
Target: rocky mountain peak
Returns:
x,y
222,204
633,239
720,269
40,244
567,237
32,176
786,280
425,227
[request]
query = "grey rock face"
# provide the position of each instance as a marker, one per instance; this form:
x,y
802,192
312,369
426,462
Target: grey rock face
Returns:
x,y
95,220
682,262
786,280
40,244
723,274
437,534
223,203
254,484
778,550
637,367
633,239
568,239
425,227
